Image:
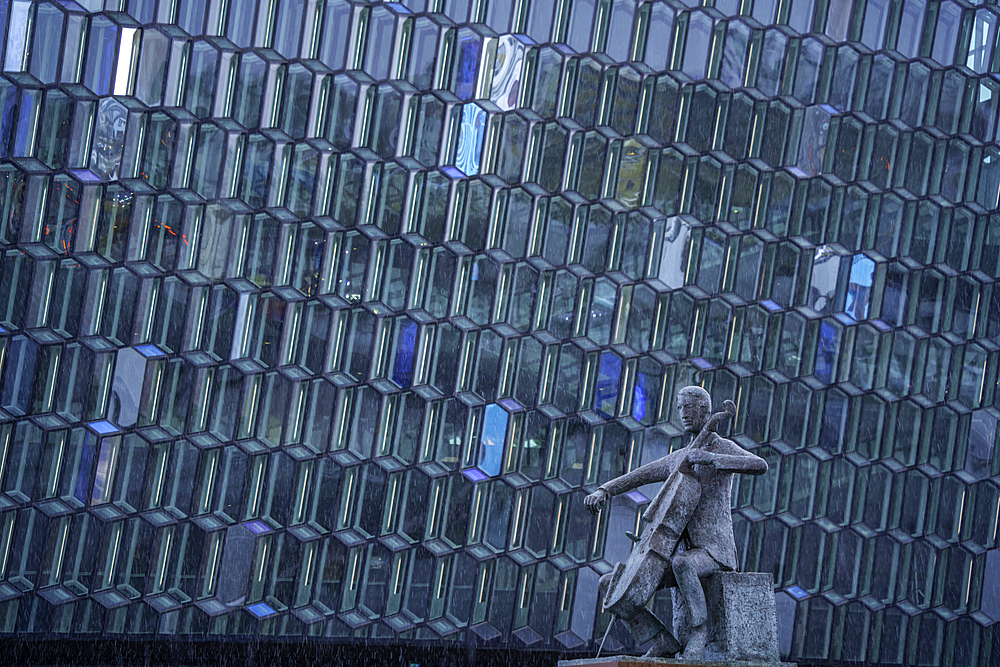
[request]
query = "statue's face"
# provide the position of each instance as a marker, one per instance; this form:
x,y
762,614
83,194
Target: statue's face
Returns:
x,y
693,412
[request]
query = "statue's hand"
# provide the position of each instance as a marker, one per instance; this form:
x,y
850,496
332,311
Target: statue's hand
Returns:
x,y
596,500
696,462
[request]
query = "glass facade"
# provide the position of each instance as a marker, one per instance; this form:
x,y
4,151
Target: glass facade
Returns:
x,y
319,318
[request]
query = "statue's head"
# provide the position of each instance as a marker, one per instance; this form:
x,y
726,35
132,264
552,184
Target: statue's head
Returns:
x,y
693,407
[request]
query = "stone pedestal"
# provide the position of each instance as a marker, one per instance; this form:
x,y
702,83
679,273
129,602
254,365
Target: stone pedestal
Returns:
x,y
742,623
742,626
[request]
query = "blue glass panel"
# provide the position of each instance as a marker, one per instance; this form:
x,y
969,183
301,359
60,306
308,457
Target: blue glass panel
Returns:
x,y
103,427
257,527
475,474
796,592
101,55
639,397
470,140
21,16
402,365
982,436
606,396
143,11
191,16
86,469
826,352
337,19
150,350
261,609
702,363
491,443
241,21
637,496
288,31
465,72
45,61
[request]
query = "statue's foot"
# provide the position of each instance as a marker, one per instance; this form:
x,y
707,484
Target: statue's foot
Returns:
x,y
695,647
664,646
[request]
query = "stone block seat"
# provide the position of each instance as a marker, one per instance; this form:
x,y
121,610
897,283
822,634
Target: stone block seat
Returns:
x,y
742,623
742,626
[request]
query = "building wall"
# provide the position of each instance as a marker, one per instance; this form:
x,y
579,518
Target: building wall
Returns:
x,y
319,319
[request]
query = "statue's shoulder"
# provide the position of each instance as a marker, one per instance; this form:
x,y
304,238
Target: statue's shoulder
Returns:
x,y
726,446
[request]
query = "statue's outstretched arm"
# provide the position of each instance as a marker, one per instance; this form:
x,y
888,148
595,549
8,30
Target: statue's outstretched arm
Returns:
x,y
747,465
733,458
654,471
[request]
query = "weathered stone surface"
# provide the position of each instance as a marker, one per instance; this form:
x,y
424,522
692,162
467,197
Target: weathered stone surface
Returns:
x,y
742,620
632,661
688,536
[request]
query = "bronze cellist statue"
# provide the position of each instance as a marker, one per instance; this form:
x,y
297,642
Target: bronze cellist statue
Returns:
x,y
688,532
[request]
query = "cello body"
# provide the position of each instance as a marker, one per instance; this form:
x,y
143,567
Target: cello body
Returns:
x,y
635,581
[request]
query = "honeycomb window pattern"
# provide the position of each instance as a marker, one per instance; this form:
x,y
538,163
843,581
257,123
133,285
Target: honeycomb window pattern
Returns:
x,y
319,318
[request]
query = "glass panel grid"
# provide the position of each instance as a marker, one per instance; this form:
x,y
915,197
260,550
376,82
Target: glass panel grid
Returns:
x,y
322,320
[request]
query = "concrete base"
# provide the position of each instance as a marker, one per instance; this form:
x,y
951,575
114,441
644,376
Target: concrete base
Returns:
x,y
632,661
742,626
742,623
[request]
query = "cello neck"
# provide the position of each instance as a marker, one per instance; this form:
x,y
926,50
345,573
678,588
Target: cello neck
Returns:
x,y
713,423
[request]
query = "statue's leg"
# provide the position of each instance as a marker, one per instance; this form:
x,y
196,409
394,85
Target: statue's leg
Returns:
x,y
688,569
664,644
643,625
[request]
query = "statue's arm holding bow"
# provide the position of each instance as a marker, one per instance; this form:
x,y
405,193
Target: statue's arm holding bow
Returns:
x,y
654,471
727,456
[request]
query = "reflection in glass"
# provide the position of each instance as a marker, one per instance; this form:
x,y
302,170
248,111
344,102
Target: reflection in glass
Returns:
x,y
859,287
507,70
674,256
470,139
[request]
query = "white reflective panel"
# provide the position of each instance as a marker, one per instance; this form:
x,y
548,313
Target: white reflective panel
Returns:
x,y
823,286
981,41
673,259
17,37
507,71
126,61
859,287
240,330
